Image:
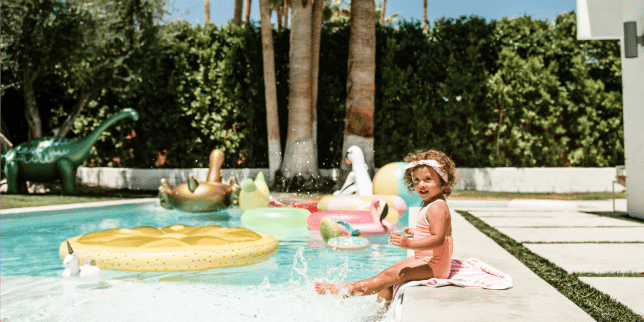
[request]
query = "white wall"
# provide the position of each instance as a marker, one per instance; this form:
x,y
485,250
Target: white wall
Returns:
x,y
483,179
602,19
633,91
558,180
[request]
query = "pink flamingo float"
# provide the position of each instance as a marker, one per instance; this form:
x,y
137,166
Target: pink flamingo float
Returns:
x,y
370,222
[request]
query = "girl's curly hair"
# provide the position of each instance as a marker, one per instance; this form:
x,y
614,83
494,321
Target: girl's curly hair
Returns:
x,y
446,164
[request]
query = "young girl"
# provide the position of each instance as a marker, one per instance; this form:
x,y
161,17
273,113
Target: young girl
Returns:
x,y
432,175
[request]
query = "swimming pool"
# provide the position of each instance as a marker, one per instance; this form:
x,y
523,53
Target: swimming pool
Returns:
x,y
277,289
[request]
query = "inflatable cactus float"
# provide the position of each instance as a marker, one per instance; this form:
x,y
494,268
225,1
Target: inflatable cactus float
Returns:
x,y
49,158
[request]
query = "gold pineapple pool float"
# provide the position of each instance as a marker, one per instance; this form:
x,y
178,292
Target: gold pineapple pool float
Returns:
x,y
194,196
173,248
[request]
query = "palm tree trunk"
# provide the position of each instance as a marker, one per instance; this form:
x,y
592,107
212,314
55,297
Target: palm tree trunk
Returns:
x,y
384,8
285,13
361,82
237,17
425,22
270,89
247,11
279,9
206,7
316,32
299,151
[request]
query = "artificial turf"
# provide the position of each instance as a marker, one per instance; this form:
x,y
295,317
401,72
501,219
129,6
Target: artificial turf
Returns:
x,y
497,195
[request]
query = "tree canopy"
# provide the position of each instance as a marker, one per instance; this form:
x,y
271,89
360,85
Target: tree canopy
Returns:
x,y
89,45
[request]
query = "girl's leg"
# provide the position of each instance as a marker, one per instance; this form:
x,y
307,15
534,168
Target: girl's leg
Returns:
x,y
409,269
385,296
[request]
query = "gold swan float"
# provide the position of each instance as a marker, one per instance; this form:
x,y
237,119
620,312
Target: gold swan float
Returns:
x,y
194,196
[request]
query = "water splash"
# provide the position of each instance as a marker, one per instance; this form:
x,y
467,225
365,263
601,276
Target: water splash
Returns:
x,y
154,301
300,273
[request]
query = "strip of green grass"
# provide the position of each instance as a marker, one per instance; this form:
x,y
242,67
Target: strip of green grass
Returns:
x,y
586,242
471,194
9,201
610,274
621,216
597,304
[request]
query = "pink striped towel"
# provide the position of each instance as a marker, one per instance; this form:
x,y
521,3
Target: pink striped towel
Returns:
x,y
470,273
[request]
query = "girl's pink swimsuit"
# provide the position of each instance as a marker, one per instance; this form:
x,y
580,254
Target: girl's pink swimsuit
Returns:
x,y
439,259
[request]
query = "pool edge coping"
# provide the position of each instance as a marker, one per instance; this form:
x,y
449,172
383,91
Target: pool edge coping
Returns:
x,y
14,211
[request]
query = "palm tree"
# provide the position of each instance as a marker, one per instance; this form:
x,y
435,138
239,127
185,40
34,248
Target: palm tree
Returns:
x,y
270,88
384,8
247,12
278,9
299,151
425,22
285,10
206,7
316,32
300,154
238,12
361,81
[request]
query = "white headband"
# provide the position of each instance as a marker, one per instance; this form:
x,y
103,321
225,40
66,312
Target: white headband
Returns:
x,y
432,163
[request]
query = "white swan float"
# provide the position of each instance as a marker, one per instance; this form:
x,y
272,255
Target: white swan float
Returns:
x,y
358,181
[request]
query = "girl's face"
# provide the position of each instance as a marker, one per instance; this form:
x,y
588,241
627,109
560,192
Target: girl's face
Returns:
x,y
427,182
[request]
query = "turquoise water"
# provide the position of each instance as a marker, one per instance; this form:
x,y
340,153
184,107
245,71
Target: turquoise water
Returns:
x,y
30,245
278,289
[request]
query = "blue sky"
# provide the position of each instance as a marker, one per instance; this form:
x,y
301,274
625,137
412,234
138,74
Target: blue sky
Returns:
x,y
221,11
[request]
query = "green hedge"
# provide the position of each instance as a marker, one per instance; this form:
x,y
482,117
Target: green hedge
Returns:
x,y
515,92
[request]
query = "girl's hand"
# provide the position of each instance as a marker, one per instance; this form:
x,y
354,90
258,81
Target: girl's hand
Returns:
x,y
409,232
398,239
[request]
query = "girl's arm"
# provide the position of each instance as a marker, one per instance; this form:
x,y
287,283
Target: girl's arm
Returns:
x,y
439,217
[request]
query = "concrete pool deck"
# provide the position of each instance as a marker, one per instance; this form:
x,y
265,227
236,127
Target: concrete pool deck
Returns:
x,y
597,246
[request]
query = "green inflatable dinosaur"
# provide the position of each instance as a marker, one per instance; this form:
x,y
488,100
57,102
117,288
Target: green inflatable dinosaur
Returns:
x,y
49,158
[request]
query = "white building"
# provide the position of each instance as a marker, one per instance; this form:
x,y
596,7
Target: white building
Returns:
x,y
606,19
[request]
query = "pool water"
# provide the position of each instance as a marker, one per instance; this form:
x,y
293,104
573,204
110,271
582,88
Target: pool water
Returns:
x,y
31,269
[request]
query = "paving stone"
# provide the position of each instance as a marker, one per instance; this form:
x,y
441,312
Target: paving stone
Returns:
x,y
626,290
593,257
594,221
525,301
611,234
532,214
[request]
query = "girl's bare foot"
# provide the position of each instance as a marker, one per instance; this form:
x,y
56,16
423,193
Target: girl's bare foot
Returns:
x,y
324,288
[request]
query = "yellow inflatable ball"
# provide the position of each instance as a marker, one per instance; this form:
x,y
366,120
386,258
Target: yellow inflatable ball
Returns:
x,y
389,181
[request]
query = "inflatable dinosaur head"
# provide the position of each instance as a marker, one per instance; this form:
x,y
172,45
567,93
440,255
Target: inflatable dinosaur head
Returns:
x,y
133,113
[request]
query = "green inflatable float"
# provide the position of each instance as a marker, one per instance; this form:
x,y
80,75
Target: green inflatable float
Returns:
x,y
50,158
270,219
